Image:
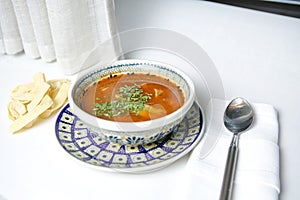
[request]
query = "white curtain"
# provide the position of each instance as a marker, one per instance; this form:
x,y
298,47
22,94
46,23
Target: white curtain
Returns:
x,y
65,31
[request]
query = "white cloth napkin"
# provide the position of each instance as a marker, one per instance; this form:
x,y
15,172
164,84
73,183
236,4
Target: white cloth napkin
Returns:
x,y
257,175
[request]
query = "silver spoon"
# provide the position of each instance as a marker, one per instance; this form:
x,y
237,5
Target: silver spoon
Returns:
x,y
238,117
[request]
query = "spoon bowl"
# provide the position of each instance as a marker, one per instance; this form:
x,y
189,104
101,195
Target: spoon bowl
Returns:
x,y
238,117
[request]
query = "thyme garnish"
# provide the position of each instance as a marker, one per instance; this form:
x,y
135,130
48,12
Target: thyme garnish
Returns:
x,y
130,99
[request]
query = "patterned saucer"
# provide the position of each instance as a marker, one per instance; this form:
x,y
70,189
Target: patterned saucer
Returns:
x,y
83,144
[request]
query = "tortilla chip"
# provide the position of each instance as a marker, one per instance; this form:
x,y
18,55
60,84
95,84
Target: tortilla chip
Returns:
x,y
23,92
58,100
39,77
39,91
36,100
16,109
24,120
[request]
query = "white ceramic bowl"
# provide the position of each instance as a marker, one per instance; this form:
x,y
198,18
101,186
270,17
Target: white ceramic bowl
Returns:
x,y
133,133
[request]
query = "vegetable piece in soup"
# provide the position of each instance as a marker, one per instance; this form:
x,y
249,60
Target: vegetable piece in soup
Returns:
x,y
132,97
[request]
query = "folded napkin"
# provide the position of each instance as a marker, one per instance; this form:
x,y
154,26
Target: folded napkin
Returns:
x,y
257,175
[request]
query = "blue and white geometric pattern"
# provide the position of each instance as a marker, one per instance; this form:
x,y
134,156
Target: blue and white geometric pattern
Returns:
x,y
77,139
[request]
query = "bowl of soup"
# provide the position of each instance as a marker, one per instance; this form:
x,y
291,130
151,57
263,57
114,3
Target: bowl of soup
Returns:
x,y
132,102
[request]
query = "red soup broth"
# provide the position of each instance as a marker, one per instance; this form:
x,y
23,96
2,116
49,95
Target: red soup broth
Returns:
x,y
166,96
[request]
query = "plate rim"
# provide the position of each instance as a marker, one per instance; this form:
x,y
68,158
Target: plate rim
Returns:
x,y
141,169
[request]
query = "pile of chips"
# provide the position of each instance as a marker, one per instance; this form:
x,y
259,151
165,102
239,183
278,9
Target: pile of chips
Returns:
x,y
36,100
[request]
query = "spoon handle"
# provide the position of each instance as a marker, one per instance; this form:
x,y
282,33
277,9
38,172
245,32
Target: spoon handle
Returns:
x,y
230,168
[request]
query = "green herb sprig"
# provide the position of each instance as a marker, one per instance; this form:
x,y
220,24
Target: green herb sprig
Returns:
x,y
130,99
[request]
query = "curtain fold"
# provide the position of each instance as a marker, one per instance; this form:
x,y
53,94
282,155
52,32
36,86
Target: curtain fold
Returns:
x,y
41,27
63,30
25,28
2,50
11,36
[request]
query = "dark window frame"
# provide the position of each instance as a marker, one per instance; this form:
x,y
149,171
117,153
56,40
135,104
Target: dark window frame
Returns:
x,y
277,7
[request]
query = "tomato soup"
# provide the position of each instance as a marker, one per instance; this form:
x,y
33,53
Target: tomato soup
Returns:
x,y
132,97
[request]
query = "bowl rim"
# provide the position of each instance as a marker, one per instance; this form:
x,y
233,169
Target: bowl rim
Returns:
x,y
132,127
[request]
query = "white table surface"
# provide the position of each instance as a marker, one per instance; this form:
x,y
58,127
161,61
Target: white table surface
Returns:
x,y
256,54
